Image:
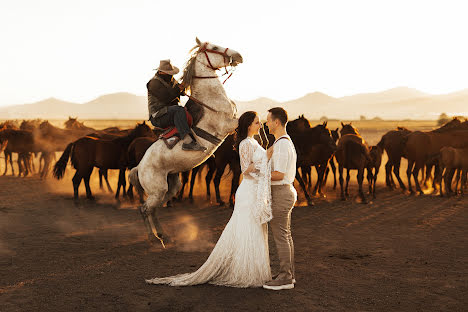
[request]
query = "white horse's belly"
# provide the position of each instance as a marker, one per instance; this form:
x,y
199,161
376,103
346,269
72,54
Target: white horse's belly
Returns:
x,y
158,161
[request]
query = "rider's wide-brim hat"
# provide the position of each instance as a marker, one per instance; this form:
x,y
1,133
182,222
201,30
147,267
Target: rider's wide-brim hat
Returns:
x,y
166,67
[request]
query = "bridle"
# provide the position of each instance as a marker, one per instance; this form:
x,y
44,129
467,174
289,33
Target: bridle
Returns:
x,y
226,57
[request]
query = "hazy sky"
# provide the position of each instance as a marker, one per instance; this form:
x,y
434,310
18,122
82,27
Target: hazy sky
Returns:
x,y
78,50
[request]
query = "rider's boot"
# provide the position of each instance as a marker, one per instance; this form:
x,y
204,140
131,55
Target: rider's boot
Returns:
x,y
193,146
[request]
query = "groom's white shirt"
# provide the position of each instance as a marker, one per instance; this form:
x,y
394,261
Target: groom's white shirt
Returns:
x,y
284,160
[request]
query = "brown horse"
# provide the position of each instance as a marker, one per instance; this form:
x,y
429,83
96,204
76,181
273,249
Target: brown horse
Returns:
x,y
393,142
224,156
136,151
21,142
314,147
87,153
452,159
420,146
353,154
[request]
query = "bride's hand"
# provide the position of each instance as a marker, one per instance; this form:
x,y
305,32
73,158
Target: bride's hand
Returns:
x,y
270,152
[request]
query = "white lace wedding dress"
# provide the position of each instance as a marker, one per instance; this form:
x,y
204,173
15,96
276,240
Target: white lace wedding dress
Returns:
x,y
240,257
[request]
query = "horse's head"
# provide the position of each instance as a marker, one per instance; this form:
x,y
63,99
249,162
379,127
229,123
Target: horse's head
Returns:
x,y
335,134
143,130
348,129
298,125
324,135
73,123
217,57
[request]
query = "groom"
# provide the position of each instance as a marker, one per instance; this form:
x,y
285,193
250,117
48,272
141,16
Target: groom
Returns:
x,y
283,197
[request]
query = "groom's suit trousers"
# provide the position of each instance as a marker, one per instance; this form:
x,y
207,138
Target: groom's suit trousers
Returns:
x,y
283,198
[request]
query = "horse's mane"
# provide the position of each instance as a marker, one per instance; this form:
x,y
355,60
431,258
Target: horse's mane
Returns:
x,y
453,124
189,69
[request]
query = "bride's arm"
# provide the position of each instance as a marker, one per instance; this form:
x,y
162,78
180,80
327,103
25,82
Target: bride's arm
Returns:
x,y
246,151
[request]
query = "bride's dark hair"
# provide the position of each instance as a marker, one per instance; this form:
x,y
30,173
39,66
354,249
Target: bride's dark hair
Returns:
x,y
245,120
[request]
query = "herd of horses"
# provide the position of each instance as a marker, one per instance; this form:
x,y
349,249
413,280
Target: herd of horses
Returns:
x,y
438,154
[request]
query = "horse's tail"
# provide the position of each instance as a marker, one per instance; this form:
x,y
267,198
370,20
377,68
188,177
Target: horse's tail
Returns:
x,y
61,164
135,181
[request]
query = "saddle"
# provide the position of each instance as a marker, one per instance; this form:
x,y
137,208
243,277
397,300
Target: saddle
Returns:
x,y
170,136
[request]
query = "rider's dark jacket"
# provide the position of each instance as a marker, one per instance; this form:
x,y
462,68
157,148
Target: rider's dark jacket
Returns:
x,y
163,91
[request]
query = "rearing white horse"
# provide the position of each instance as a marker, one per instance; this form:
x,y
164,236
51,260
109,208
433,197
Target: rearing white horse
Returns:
x,y
158,171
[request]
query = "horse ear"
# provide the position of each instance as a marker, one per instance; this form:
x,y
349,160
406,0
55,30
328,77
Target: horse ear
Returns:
x,y
198,41
342,124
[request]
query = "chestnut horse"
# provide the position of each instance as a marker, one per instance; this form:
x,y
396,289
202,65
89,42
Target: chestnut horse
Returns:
x,y
393,142
352,154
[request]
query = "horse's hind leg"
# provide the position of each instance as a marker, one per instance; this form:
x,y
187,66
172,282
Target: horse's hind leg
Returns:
x,y
86,178
340,171
369,179
333,167
234,183
209,176
217,181
121,184
76,184
11,165
301,183
388,174
408,174
347,181
416,169
150,208
374,181
360,178
109,188
457,180
396,171
185,176
192,182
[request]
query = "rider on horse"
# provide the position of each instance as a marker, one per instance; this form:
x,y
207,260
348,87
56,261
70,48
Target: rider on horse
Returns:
x,y
163,104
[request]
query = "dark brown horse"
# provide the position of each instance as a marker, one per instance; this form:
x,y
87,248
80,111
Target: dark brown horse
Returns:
x,y
305,141
352,154
393,142
87,153
224,156
136,151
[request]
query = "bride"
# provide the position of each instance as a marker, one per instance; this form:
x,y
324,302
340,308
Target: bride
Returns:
x,y
240,257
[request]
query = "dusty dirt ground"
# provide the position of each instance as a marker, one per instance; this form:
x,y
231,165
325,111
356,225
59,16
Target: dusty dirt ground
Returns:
x,y
398,253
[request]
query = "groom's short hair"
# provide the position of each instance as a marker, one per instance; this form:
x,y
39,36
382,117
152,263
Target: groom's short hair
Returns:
x,y
280,114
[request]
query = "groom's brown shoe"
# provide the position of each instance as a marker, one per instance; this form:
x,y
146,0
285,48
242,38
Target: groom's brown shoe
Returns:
x,y
279,284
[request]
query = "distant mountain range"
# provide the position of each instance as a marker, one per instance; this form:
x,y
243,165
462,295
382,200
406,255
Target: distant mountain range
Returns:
x,y
396,103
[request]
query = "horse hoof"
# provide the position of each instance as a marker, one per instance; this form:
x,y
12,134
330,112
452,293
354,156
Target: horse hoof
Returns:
x,y
343,198
221,203
310,203
191,200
